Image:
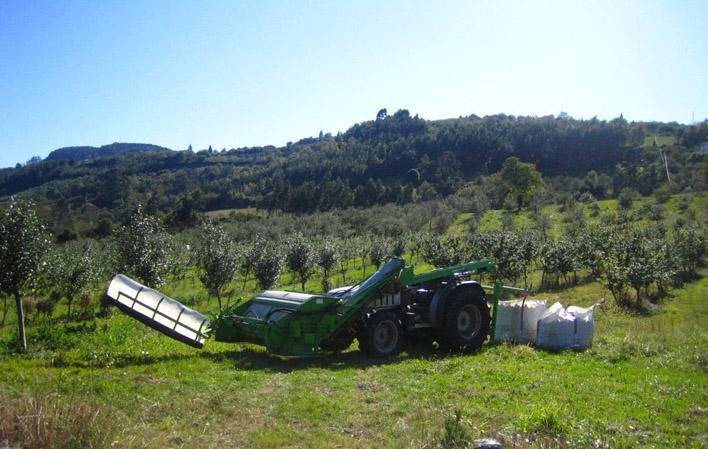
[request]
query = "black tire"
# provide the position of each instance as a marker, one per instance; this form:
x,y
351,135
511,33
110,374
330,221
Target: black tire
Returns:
x,y
466,323
381,335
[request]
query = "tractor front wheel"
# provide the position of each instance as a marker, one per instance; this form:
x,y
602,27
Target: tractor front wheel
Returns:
x,y
466,322
381,335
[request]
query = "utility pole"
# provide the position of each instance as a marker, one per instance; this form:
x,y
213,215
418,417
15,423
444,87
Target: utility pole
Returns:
x,y
664,158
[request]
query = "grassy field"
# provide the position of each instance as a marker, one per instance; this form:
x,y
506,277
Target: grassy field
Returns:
x,y
643,384
112,382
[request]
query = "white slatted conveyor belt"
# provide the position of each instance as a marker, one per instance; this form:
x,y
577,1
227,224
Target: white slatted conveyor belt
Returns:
x,y
158,311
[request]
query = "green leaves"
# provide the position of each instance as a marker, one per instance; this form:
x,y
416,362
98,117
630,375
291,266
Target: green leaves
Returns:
x,y
301,257
144,249
268,262
24,241
71,268
217,258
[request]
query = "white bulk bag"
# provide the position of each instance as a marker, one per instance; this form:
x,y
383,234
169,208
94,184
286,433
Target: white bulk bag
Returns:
x,y
556,328
516,320
584,325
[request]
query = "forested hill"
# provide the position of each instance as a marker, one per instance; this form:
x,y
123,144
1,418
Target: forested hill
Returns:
x,y
86,153
394,158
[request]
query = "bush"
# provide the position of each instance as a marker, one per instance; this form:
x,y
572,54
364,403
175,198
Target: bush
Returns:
x,y
46,307
626,197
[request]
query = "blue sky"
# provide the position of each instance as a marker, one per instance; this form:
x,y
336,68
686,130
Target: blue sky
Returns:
x,y
232,74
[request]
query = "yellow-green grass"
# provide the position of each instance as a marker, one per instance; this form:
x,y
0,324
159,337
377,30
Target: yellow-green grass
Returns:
x,y
643,384
660,140
492,220
225,213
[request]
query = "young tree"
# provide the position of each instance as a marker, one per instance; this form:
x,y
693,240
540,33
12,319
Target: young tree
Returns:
x,y
505,249
559,259
4,308
378,252
399,245
690,247
443,251
346,252
641,263
23,243
217,260
144,248
519,181
328,258
364,245
71,270
268,264
247,260
301,258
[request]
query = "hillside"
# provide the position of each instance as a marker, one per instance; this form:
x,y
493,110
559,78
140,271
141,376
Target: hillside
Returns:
x,y
396,158
86,153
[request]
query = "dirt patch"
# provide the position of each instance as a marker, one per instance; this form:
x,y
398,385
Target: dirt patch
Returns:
x,y
149,379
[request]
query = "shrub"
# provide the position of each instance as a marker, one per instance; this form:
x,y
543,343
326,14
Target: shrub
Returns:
x,y
46,307
626,197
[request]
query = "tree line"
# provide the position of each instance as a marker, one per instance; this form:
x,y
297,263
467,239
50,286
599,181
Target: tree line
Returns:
x,y
396,158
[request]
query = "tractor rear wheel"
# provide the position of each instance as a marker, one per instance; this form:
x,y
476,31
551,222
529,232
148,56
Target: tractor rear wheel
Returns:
x,y
466,324
381,335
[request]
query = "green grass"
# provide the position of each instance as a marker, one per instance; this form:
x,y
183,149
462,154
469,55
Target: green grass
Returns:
x,y
660,140
643,384
493,219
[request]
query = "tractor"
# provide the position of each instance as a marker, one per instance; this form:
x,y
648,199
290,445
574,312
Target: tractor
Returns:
x,y
392,306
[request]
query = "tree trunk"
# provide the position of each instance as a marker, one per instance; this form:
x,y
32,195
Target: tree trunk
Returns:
x,y
302,283
22,342
4,312
218,296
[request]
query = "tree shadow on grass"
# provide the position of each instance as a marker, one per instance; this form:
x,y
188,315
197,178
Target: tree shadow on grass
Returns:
x,y
255,360
245,357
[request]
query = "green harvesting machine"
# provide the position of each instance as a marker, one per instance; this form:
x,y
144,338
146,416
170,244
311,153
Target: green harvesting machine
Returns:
x,y
382,312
